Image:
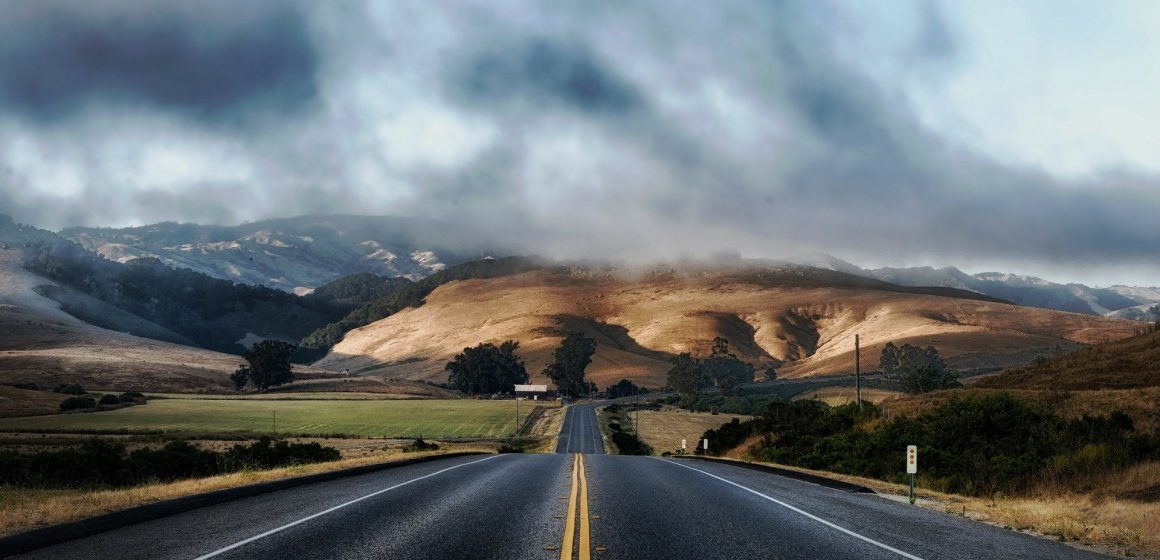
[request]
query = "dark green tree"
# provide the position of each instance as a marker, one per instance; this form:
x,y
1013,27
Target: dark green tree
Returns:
x,y
487,369
685,375
624,388
724,369
268,364
888,365
569,362
240,378
919,370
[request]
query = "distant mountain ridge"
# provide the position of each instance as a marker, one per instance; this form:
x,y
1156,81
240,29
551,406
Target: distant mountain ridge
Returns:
x,y
302,253
1125,302
290,254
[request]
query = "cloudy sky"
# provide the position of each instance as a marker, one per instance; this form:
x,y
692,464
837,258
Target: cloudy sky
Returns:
x,y
986,134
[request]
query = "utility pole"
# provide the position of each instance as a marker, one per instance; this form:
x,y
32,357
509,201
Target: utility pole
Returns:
x,y
516,430
858,372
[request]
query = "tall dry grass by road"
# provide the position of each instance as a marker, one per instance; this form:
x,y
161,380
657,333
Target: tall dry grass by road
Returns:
x,y
23,509
1121,517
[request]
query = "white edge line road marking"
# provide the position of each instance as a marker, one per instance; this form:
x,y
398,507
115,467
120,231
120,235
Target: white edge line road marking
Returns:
x,y
796,510
340,506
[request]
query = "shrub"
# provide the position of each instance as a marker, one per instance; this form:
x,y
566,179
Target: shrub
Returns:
x,y
971,445
77,403
420,445
69,389
108,400
97,463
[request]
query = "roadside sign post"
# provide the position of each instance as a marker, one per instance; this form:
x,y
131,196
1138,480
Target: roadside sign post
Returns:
x,y
705,443
911,467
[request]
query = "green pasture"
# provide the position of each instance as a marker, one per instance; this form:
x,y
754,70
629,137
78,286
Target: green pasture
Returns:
x,y
461,418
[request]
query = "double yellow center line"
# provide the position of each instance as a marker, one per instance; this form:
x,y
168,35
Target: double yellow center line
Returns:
x,y
579,490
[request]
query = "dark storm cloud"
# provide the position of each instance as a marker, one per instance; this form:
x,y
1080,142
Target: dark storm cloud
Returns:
x,y
546,74
638,130
211,60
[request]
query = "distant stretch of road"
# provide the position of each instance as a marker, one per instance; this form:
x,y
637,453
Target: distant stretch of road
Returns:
x,y
580,432
577,503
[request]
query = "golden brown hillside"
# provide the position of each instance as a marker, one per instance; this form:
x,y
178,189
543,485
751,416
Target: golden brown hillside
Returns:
x,y
769,316
1123,364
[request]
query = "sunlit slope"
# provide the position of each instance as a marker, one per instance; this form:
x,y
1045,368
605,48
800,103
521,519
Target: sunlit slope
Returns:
x,y
770,317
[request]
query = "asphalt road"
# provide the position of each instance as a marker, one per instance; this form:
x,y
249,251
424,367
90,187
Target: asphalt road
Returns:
x,y
580,432
553,506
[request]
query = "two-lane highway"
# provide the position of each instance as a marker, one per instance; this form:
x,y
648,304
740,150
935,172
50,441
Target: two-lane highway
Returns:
x,y
562,506
580,432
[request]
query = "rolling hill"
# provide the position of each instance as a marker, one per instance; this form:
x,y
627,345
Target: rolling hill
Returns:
x,y
801,320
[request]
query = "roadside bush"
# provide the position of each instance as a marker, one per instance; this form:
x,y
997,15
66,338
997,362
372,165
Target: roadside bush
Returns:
x,y
109,400
420,445
27,386
971,445
69,389
98,463
77,403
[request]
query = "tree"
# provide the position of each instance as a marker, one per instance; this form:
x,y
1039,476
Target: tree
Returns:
x,y
268,365
569,362
487,369
919,370
240,377
889,362
685,375
724,369
624,388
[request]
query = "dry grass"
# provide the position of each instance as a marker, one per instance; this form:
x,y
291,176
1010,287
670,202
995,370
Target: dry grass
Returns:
x,y
1106,522
1142,405
27,509
22,402
1123,364
837,396
663,430
637,322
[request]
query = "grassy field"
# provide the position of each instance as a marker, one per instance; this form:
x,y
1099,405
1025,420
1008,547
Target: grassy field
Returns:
x,y
664,430
462,418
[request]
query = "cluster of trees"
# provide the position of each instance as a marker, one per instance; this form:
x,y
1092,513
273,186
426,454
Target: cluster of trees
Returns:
x,y
98,463
487,369
624,388
973,445
722,369
268,365
490,369
919,370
